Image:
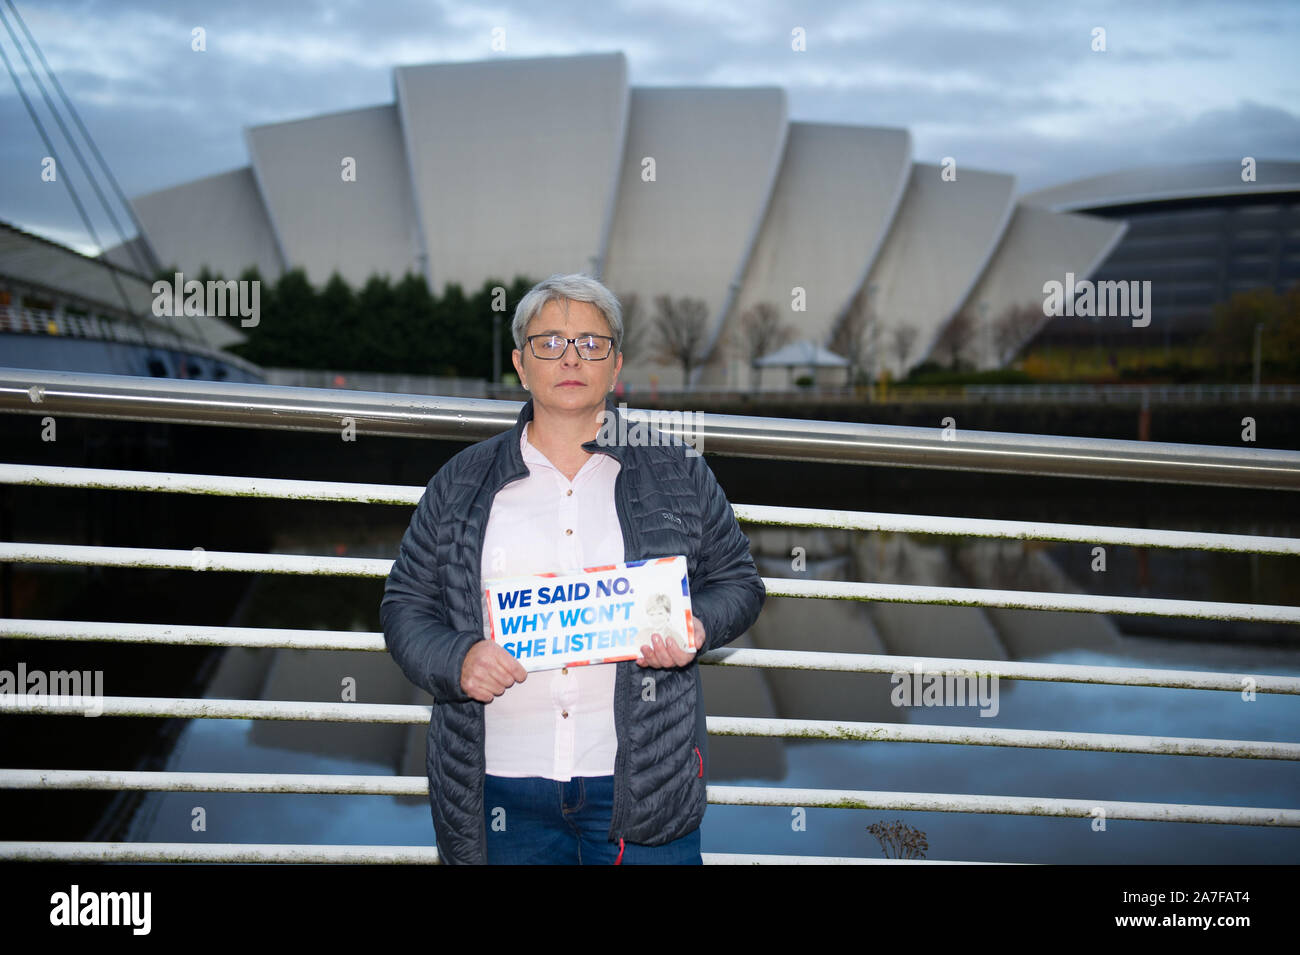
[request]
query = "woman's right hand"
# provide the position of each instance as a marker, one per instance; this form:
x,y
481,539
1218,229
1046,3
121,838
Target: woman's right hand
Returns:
x,y
488,671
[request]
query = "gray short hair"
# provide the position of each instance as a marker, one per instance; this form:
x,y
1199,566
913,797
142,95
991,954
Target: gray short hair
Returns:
x,y
575,288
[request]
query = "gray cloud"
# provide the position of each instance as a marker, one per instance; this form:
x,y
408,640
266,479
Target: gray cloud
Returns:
x,y
1011,86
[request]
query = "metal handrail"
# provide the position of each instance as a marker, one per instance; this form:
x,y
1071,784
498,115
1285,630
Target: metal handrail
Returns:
x,y
237,404
168,634
418,715
199,559
38,475
348,784
244,852
473,419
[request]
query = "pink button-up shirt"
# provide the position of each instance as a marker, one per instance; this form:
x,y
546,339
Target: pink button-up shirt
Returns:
x,y
557,723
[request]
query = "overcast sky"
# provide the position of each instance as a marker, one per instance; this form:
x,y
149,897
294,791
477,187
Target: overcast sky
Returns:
x,y
1013,86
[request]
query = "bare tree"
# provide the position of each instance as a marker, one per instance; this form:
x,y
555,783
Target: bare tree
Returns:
x,y
633,326
901,340
682,325
956,338
857,336
761,332
1013,329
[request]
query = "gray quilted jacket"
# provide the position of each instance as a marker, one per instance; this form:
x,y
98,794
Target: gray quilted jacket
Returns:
x,y
668,503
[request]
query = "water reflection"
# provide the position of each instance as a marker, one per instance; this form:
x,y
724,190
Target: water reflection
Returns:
x,y
827,625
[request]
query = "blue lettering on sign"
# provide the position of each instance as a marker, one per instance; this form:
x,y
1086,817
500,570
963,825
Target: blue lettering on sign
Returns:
x,y
574,643
521,623
526,648
513,599
562,593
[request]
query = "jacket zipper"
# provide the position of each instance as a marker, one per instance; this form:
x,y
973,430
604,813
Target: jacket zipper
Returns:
x,y
621,685
477,603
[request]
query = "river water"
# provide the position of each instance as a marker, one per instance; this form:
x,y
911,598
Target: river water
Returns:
x,y
789,623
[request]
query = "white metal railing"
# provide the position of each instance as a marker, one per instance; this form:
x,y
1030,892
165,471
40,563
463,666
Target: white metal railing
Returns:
x,y
281,638
1106,393
1283,470
198,559
162,707
396,855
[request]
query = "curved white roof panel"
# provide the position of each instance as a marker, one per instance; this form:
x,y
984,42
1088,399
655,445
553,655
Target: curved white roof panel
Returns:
x,y
1157,183
218,221
689,232
324,222
835,197
941,240
1038,247
513,163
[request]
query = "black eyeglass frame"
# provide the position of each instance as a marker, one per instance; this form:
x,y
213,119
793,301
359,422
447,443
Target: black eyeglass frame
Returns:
x,y
574,343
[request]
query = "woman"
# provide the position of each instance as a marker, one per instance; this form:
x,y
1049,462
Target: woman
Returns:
x,y
598,763
658,622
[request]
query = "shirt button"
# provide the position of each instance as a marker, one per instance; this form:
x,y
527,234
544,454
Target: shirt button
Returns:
x,y
568,530
565,671
565,714
568,492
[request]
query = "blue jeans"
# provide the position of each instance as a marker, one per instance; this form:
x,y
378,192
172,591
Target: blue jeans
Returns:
x,y
537,821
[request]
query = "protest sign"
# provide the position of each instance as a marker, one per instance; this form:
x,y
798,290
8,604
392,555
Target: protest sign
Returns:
x,y
599,615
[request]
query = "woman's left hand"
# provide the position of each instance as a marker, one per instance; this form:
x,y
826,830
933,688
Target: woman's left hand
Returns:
x,y
665,654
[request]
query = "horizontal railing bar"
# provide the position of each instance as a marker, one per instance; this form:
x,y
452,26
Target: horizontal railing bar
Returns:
x,y
212,709
419,714
215,852
281,489
191,635
326,783
339,784
735,858
237,404
90,555
46,475
198,559
392,855
1002,669
1009,805
253,637
1013,530
978,736
1029,600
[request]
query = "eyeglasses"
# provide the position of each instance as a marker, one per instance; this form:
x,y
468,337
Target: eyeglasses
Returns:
x,y
553,347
